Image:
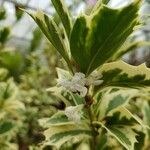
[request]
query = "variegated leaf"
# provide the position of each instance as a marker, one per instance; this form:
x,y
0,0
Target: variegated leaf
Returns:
x,y
9,104
52,32
125,113
5,126
64,15
91,34
124,134
57,119
3,74
146,115
146,111
58,135
111,101
66,96
60,118
121,74
63,74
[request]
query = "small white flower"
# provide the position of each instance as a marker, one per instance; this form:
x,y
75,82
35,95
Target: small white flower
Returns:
x,y
79,78
73,114
79,82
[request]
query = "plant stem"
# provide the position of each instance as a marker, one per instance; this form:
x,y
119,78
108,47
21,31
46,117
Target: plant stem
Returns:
x,y
88,106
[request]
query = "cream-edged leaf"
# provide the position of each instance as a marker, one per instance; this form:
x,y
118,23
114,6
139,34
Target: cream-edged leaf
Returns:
x,y
58,135
121,74
66,96
64,15
52,32
112,101
97,37
57,119
124,134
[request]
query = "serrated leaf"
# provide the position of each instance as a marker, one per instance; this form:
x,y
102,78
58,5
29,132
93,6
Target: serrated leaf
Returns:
x,y
121,74
124,134
64,15
96,38
60,134
141,141
52,32
125,113
113,101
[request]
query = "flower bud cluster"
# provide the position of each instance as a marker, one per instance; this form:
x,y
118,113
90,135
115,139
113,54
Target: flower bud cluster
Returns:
x,y
79,82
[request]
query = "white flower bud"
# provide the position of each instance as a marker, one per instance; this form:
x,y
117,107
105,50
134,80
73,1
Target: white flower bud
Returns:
x,y
73,114
78,82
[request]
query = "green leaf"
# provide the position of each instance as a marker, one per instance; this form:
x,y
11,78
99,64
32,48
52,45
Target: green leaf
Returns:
x,y
9,103
111,101
63,74
8,90
128,48
125,113
141,141
121,74
36,40
58,135
2,13
18,12
96,38
4,34
57,119
5,127
66,96
52,32
64,15
146,115
13,61
124,134
146,112
3,74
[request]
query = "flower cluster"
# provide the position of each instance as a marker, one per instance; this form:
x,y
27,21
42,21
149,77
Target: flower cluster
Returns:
x,y
79,82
